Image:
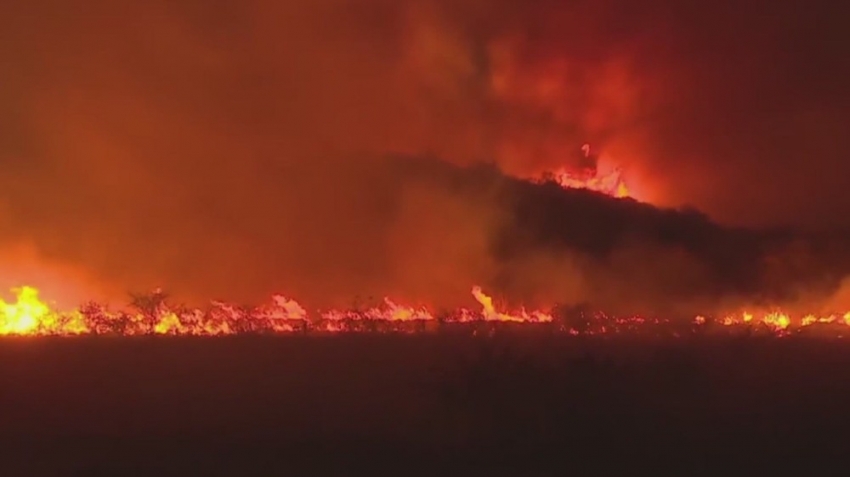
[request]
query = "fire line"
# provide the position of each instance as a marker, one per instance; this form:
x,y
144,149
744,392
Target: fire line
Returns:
x,y
29,315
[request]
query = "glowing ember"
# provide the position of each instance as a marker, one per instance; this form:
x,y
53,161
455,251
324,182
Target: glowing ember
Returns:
x,y
28,315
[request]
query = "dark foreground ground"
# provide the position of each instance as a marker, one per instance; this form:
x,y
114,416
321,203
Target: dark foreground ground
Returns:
x,y
423,405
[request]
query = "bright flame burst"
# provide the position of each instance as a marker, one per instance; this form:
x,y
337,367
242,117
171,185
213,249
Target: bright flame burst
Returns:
x,y
25,315
28,315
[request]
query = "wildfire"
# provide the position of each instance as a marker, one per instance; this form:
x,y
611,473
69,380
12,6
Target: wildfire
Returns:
x,y
28,315
25,314
611,183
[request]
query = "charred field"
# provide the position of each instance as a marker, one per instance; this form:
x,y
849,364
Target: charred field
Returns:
x,y
523,402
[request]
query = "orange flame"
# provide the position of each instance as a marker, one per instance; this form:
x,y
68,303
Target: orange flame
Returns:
x,y
25,315
28,315
611,183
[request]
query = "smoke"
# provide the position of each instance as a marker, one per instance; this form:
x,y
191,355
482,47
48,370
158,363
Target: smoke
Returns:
x,y
547,245
235,149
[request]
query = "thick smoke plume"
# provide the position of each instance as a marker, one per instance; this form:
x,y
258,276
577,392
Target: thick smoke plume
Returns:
x,y
237,148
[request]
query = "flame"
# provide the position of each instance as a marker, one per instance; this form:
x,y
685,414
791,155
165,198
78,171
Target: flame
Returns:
x,y
25,315
611,183
490,313
29,315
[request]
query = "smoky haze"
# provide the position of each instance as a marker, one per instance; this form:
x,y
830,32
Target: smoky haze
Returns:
x,y
233,149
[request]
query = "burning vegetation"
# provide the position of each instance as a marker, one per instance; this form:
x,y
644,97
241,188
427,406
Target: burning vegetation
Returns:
x,y
588,176
563,256
544,215
152,314
611,183
29,315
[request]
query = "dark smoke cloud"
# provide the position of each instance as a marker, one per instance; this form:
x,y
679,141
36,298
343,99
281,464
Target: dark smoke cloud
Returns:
x,y
548,245
233,149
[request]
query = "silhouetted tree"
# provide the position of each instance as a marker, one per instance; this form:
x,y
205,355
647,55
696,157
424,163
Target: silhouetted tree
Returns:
x,y
151,306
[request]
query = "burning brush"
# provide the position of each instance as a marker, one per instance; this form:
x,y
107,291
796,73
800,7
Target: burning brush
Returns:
x,y
28,315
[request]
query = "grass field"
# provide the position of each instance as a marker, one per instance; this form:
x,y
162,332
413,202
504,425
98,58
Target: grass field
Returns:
x,y
516,404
